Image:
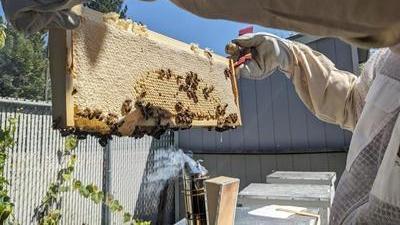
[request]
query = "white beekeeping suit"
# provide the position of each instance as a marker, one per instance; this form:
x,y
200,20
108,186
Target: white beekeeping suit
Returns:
x,y
30,16
369,189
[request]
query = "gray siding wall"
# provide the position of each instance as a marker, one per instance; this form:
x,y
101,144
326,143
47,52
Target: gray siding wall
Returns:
x,y
274,118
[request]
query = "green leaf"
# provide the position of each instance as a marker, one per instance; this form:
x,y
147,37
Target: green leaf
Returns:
x,y
67,176
72,161
127,217
84,192
5,212
91,188
77,184
71,142
97,197
115,206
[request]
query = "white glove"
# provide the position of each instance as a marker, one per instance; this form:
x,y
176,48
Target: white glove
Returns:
x,y
30,16
269,53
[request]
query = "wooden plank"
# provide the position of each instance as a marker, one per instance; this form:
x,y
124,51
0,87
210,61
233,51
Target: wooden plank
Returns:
x,y
237,136
61,80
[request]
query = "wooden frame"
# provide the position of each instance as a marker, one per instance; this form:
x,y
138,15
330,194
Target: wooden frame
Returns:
x,y
65,81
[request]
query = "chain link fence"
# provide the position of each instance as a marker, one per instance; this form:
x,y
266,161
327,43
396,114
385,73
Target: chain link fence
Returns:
x,y
120,169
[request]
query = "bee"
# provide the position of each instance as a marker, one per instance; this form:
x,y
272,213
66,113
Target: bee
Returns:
x,y
227,73
179,107
178,79
111,119
97,113
169,74
220,110
208,53
143,94
126,107
207,91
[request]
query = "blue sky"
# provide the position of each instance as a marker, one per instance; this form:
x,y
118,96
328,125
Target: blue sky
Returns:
x,y
164,17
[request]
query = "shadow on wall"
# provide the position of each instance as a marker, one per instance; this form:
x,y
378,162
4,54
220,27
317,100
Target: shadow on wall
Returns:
x,y
156,196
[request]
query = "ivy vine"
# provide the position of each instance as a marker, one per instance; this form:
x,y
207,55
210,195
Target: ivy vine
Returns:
x,y
6,144
49,213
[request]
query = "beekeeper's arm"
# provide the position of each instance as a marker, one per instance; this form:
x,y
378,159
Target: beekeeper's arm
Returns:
x,y
30,16
333,95
369,23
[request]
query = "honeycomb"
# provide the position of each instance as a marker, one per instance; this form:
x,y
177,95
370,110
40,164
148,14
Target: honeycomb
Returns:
x,y
130,81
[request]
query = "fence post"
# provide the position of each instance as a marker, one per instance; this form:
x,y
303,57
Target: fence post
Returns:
x,y
106,187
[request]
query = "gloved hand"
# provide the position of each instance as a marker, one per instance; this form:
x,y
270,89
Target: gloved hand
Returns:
x,y
30,16
269,53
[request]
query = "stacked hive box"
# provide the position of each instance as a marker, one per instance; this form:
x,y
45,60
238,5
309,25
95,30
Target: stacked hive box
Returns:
x,y
113,76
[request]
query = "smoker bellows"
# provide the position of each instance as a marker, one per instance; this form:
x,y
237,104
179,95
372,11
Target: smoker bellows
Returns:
x,y
113,76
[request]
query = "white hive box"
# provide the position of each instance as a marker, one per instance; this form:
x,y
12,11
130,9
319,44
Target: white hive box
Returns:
x,y
303,195
112,76
298,177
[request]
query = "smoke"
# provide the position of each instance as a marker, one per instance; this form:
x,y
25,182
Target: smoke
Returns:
x,y
156,198
167,164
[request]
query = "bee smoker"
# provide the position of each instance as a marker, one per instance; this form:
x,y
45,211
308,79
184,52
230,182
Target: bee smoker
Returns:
x,y
194,175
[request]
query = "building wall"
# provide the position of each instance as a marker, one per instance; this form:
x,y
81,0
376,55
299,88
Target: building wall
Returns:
x,y
274,118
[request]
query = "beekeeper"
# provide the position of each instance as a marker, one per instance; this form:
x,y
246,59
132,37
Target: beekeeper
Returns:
x,y
369,189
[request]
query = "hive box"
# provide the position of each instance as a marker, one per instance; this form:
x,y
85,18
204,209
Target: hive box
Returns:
x,y
114,76
221,198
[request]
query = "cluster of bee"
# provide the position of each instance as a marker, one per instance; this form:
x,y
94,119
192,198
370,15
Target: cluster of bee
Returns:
x,y
164,74
205,116
184,116
228,73
222,120
231,118
80,134
110,118
220,111
207,91
149,111
190,86
156,131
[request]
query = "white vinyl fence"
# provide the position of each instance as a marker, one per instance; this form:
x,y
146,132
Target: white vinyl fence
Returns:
x,y
118,168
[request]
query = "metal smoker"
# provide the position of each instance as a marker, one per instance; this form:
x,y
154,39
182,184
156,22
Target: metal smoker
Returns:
x,y
194,175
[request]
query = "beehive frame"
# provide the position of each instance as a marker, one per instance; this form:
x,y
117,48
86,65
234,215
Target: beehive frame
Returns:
x,y
171,84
